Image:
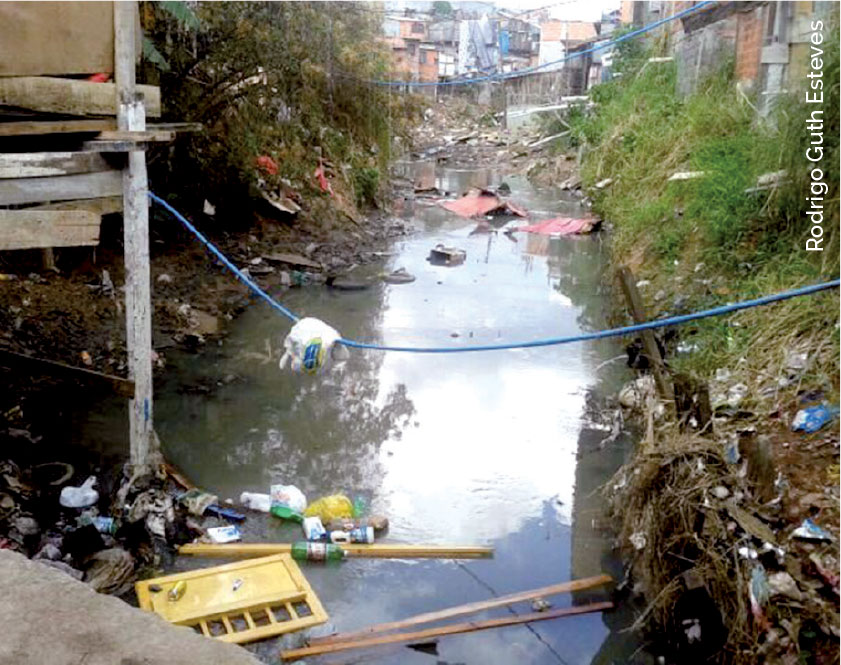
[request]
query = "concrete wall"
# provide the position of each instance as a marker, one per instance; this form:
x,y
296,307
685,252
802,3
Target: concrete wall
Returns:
x,y
49,617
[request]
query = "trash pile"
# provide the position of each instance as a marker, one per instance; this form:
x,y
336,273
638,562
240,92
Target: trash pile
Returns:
x,y
732,540
483,203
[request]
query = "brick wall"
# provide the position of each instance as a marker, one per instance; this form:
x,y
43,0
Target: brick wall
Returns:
x,y
749,40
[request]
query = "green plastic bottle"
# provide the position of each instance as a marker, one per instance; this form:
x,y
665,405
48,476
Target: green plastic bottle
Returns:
x,y
304,551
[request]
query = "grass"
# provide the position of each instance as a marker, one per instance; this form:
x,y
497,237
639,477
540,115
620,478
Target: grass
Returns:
x,y
700,243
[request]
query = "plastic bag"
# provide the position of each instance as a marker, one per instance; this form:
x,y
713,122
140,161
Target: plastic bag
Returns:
x,y
79,497
307,345
288,502
333,507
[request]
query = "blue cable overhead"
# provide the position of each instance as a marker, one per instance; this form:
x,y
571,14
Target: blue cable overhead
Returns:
x,y
530,70
551,341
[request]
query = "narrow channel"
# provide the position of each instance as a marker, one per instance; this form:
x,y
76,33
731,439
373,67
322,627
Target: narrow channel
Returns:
x,y
499,448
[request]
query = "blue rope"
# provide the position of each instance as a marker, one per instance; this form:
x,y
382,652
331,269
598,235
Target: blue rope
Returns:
x,y
551,341
530,70
245,279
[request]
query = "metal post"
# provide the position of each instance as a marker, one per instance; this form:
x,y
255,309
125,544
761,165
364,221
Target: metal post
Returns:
x,y
131,116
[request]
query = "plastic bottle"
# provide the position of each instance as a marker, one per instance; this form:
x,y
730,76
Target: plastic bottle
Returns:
x,y
79,497
347,523
303,551
360,506
256,501
363,535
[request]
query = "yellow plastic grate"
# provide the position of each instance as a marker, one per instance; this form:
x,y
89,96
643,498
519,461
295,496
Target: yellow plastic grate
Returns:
x,y
238,602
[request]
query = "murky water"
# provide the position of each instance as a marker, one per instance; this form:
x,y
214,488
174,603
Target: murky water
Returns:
x,y
476,448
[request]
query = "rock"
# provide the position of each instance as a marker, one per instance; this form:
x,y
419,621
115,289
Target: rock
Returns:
x,y
27,526
50,552
209,209
111,571
635,394
65,568
285,279
783,584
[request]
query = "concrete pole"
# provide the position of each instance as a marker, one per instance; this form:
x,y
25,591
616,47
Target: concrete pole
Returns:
x,y
131,116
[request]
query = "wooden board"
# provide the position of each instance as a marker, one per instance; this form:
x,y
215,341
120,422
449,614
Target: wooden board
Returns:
x,y
103,206
39,164
236,599
78,375
56,38
37,127
377,550
431,633
36,229
61,188
469,608
72,96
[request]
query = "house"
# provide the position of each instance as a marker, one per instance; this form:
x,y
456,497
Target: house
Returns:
x,y
558,37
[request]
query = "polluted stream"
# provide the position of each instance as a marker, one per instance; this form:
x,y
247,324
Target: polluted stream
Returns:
x,y
494,448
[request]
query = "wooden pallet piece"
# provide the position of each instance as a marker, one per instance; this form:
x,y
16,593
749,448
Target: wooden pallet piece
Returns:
x,y
264,604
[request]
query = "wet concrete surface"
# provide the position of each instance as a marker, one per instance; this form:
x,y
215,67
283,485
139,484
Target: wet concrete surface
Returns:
x,y
491,448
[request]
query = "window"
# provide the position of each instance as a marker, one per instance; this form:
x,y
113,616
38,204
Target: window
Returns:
x,y
412,47
417,27
423,57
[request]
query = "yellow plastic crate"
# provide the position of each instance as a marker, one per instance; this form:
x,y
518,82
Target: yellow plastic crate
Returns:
x,y
238,602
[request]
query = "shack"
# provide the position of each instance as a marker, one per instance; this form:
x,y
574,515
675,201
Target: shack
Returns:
x,y
72,138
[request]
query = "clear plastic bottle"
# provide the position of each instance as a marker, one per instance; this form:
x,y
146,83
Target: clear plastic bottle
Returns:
x,y
363,535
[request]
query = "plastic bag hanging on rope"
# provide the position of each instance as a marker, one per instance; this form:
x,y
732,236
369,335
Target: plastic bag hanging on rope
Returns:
x,y
309,345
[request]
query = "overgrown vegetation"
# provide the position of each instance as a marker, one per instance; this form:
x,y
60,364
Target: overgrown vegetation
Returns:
x,y
705,240
732,227
276,79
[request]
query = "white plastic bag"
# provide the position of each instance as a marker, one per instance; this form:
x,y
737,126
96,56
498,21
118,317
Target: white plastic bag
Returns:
x,y
288,502
79,497
307,345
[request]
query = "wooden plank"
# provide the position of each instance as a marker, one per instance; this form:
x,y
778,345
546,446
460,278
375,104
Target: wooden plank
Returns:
x,y
469,608
72,96
377,550
40,164
37,127
36,229
149,135
632,295
468,627
56,38
42,367
102,206
60,188
113,146
144,448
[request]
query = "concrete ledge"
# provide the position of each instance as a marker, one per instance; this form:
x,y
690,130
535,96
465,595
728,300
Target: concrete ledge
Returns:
x,y
48,617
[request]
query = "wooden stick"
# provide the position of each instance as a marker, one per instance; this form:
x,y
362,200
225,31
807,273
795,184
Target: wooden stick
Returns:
x,y
468,627
39,366
378,550
469,608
